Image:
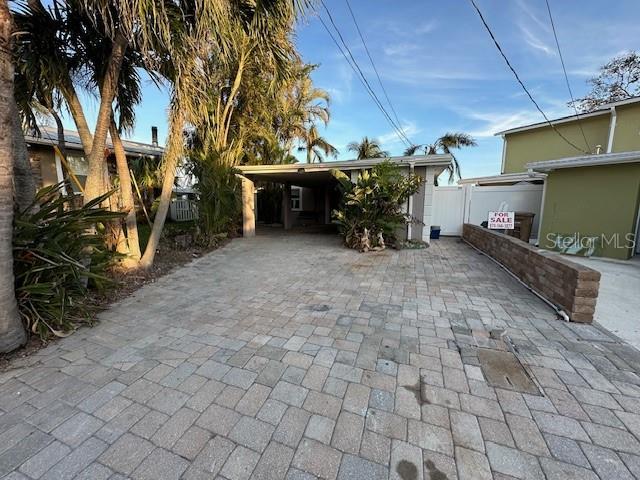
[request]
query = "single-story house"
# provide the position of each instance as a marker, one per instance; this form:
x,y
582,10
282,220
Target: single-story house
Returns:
x,y
47,165
310,190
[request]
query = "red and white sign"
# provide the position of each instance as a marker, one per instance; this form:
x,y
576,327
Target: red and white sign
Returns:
x,y
502,220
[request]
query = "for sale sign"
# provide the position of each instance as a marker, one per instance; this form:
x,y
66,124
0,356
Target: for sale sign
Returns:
x,y
502,220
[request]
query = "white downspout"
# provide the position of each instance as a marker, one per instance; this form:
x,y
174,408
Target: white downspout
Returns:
x,y
612,129
504,153
410,208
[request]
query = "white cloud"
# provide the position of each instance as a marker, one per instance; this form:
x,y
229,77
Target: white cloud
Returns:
x,y
392,137
535,42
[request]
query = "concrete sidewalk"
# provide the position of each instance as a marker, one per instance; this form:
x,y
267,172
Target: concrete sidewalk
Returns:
x,y
292,357
618,306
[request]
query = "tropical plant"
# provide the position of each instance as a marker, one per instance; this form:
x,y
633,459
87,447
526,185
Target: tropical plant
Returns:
x,y
371,213
367,148
219,206
316,146
618,79
12,333
267,25
58,251
445,144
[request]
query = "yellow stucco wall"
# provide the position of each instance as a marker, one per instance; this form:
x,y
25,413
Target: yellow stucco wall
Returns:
x,y
593,201
627,133
544,144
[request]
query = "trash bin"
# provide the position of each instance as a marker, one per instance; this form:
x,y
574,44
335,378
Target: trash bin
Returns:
x,y
523,223
435,232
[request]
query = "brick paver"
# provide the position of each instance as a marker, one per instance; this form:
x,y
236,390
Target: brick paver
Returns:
x,y
292,357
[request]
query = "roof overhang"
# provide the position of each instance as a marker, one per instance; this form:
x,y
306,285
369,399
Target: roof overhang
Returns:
x,y
312,174
507,178
72,142
585,161
558,121
604,109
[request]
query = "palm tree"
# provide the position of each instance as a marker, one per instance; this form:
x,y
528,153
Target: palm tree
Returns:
x,y
367,148
445,144
209,24
12,333
302,106
316,146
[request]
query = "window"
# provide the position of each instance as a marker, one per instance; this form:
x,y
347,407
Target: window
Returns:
x,y
80,168
296,198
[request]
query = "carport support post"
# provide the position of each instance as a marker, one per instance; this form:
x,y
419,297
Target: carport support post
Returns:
x,y
327,206
286,206
248,208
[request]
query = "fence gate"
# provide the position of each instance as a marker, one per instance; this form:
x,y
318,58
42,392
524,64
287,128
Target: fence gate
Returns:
x,y
183,210
455,205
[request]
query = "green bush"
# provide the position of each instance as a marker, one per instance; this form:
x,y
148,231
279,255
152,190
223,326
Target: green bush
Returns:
x,y
370,213
219,202
59,251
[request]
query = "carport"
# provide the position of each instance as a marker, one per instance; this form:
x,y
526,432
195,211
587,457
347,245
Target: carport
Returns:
x,y
316,180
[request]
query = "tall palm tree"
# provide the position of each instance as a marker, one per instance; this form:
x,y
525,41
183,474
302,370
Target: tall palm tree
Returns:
x,y
316,146
367,148
445,144
12,333
302,106
209,25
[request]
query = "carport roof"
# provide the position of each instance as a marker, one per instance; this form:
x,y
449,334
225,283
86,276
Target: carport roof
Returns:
x,y
311,174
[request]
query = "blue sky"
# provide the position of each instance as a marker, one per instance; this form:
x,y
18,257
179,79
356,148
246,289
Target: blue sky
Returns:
x,y
443,73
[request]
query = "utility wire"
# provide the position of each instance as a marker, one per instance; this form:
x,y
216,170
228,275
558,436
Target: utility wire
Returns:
x,y
393,110
356,68
495,41
566,77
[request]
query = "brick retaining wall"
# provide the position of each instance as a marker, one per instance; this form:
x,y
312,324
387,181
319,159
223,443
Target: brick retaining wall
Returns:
x,y
572,287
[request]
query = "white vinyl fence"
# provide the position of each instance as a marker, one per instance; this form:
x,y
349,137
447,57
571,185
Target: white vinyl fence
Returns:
x,y
183,210
455,205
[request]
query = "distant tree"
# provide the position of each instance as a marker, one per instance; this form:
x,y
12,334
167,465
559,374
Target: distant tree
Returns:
x,y
316,146
367,148
449,141
618,79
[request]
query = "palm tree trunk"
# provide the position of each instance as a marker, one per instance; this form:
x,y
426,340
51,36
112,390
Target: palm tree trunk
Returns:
x,y
79,118
25,185
12,333
94,185
173,153
126,193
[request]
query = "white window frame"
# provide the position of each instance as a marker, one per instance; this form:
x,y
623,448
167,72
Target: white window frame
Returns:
x,y
299,208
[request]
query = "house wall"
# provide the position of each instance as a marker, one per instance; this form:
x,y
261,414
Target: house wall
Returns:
x,y
544,144
44,165
627,133
592,201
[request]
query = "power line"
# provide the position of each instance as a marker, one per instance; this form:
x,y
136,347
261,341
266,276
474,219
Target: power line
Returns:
x,y
566,77
393,110
495,41
356,68
363,79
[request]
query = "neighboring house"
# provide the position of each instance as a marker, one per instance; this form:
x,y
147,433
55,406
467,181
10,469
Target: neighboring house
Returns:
x,y
591,197
48,166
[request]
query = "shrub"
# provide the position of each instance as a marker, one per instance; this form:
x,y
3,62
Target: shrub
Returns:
x,y
370,213
59,251
219,202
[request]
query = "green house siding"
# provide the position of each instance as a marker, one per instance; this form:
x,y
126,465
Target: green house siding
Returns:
x,y
627,134
544,144
592,201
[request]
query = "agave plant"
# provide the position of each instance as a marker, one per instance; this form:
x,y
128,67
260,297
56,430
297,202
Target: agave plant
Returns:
x,y
58,252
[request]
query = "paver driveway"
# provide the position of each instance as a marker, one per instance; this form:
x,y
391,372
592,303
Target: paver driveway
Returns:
x,y
293,357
